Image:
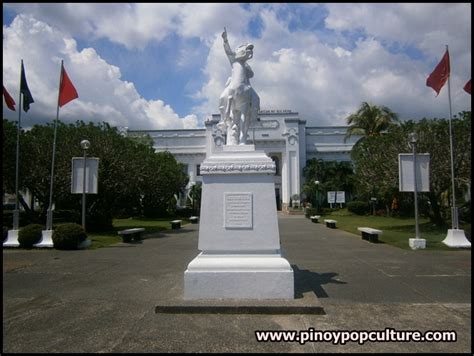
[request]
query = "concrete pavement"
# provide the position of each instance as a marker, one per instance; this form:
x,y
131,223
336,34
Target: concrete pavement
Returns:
x,y
104,300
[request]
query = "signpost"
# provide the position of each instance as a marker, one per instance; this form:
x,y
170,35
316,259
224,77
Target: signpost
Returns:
x,y
414,177
331,198
84,180
340,198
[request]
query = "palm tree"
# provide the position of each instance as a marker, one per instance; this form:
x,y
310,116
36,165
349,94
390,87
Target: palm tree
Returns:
x,y
370,120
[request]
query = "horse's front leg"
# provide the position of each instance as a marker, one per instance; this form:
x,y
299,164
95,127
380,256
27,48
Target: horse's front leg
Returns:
x,y
245,123
233,130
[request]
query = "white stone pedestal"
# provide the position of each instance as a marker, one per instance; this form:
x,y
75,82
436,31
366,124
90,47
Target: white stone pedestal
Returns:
x,y
46,239
416,244
12,239
238,231
456,238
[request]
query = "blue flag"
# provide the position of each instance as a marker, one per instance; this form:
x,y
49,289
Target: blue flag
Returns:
x,y
27,97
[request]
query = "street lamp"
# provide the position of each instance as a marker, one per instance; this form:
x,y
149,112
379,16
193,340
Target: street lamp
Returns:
x,y
417,242
85,145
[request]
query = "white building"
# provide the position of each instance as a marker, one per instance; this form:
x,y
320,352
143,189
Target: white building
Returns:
x,y
281,134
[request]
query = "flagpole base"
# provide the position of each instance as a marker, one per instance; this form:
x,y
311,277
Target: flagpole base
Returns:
x,y
46,239
416,244
12,239
456,238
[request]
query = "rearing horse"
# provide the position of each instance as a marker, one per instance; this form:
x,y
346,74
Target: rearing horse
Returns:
x,y
239,103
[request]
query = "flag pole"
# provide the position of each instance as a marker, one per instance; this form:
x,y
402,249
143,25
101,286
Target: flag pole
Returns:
x,y
454,211
16,212
49,216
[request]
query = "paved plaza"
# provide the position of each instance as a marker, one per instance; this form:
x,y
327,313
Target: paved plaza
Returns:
x,y
104,300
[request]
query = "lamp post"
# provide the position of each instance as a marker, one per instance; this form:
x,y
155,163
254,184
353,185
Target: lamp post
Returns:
x,y
417,242
413,139
85,145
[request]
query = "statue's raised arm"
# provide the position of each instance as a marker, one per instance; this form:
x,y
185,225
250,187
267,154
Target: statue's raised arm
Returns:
x,y
228,51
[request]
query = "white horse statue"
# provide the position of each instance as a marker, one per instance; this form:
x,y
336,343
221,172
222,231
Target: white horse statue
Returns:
x,y
239,103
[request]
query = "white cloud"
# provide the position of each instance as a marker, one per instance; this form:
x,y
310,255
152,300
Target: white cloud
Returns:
x,y
134,25
295,70
427,26
103,95
324,77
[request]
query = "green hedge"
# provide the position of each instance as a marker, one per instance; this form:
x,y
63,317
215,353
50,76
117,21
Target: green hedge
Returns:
x,y
310,212
68,236
30,235
358,207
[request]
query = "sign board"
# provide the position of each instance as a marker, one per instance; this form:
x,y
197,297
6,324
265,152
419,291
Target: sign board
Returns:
x,y
238,210
341,197
92,172
406,174
331,197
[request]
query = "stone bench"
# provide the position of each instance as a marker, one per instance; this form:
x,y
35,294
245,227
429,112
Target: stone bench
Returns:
x,y
315,218
129,234
370,234
194,219
330,223
175,224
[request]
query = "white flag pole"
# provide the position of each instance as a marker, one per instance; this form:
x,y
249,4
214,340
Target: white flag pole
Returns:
x,y
49,217
16,212
455,236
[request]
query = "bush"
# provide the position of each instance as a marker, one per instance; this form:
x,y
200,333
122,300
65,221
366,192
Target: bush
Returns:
x,y
186,212
310,212
68,236
30,235
358,207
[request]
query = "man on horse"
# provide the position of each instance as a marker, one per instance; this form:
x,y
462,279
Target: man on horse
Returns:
x,y
239,103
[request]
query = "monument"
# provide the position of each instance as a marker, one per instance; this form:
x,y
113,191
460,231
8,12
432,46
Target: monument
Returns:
x,y
239,238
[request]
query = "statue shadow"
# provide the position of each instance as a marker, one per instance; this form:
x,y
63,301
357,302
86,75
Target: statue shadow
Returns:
x,y
307,281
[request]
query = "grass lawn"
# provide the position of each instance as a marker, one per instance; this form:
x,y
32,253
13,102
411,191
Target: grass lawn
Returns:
x,y
396,230
152,227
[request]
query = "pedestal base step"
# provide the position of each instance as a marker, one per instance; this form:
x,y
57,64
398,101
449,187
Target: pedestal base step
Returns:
x,y
309,304
246,276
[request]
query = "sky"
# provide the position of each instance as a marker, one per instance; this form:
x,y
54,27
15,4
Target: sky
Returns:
x,y
152,66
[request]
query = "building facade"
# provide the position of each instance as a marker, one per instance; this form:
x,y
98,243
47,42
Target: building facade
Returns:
x,y
281,134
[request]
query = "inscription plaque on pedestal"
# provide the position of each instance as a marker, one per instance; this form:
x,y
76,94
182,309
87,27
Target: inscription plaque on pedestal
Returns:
x,y
238,211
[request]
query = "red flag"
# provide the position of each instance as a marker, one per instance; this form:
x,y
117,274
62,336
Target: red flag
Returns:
x,y
440,75
9,100
67,92
467,87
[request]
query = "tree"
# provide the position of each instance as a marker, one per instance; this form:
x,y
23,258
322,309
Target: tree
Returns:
x,y
376,163
195,196
331,175
163,178
128,170
370,120
9,134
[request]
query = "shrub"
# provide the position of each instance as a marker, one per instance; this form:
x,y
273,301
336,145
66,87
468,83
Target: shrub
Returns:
x,y
358,207
186,212
68,236
310,212
30,235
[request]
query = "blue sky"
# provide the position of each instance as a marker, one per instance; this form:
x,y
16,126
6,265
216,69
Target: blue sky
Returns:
x,y
162,66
